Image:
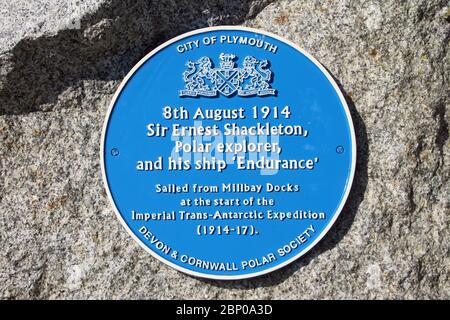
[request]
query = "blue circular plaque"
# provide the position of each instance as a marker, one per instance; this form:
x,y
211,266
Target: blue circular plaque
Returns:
x,y
228,152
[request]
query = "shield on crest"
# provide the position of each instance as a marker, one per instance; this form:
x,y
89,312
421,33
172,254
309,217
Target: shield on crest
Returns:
x,y
227,80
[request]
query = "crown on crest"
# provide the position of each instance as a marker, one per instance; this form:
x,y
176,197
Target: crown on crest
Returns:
x,y
227,60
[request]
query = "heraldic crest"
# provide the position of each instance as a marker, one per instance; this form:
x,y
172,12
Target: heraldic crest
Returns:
x,y
202,79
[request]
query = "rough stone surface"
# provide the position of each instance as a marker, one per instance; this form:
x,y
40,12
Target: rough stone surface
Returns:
x,y
58,234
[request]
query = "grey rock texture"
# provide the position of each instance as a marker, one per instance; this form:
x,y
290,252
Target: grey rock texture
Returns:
x,y
59,236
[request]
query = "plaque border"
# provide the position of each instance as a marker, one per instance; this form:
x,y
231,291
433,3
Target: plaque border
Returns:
x,y
256,31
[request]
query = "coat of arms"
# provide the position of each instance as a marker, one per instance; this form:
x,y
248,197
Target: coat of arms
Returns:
x,y
202,79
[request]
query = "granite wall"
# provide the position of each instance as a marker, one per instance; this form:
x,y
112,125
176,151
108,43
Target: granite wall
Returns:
x,y
62,60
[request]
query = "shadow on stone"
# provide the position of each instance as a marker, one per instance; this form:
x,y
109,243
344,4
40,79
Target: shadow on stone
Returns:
x,y
108,44
340,227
